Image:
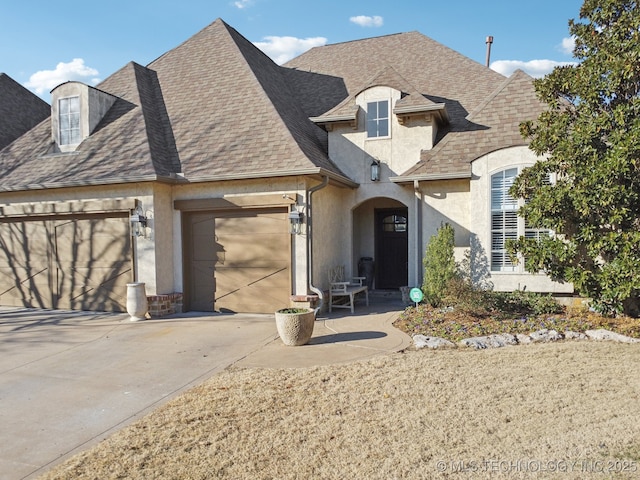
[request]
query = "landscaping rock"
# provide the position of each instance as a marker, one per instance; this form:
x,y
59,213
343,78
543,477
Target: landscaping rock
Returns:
x,y
490,341
602,334
422,341
569,335
523,339
545,335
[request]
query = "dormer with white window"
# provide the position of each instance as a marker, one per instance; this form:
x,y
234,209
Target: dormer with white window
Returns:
x,y
76,110
388,122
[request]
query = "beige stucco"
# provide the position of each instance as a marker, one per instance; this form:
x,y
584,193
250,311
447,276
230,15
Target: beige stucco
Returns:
x,y
353,152
480,225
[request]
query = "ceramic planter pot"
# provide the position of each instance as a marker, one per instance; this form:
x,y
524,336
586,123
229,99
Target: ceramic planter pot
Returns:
x,y
137,305
295,325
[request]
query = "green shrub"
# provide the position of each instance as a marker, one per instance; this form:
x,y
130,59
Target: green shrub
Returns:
x,y
521,302
439,265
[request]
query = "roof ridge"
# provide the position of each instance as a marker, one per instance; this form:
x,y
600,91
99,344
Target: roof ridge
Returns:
x,y
369,38
508,81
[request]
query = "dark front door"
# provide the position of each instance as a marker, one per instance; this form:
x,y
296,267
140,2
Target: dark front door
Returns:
x,y
392,253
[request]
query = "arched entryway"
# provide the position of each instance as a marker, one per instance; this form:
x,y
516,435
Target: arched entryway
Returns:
x,y
381,232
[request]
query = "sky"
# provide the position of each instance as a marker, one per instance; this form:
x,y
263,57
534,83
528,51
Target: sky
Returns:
x,y
45,45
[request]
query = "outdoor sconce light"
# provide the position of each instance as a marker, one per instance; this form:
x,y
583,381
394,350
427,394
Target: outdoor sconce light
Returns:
x,y
375,170
295,222
138,221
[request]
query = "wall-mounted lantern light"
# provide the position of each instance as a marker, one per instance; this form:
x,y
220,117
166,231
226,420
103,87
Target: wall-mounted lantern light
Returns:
x,y
375,170
295,222
138,221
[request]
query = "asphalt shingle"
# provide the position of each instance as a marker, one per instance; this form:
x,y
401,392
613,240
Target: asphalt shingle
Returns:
x,y
20,110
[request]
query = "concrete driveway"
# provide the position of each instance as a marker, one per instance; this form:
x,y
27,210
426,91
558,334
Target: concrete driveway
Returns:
x,y
69,379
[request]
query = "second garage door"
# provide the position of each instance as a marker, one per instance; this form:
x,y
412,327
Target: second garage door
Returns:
x,y
76,263
237,261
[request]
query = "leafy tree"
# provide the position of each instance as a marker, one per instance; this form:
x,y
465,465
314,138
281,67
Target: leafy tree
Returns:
x,y
439,265
590,135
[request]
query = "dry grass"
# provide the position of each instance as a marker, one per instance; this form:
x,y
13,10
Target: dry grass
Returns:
x,y
535,407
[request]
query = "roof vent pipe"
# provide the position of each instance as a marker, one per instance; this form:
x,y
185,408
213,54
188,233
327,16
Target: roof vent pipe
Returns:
x,y
489,41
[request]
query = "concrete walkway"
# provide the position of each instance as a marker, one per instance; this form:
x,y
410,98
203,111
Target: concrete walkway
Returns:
x,y
70,379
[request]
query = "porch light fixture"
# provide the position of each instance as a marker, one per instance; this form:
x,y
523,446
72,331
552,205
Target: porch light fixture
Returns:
x,y
375,170
138,221
295,222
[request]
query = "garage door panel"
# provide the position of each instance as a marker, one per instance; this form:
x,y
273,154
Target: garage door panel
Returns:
x,y
70,264
255,250
21,287
24,265
94,242
93,263
258,290
264,223
202,286
93,289
250,255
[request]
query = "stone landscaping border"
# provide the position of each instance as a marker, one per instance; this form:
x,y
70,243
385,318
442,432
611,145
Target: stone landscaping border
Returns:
x,y
507,339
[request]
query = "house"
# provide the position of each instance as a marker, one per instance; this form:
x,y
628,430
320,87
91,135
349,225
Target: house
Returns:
x,y
226,182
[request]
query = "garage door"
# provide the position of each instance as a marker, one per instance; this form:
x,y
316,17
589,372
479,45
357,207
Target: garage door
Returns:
x,y
237,261
79,264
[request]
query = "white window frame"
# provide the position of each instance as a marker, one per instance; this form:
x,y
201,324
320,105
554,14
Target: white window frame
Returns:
x,y
375,120
505,223
65,121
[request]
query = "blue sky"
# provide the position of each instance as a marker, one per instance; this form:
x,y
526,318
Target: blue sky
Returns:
x,y
44,45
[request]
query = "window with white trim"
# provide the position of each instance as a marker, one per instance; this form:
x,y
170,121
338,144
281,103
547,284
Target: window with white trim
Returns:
x,y
505,222
69,120
378,119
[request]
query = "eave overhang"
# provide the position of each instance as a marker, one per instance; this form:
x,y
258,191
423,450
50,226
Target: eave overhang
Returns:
x,y
176,179
437,110
431,177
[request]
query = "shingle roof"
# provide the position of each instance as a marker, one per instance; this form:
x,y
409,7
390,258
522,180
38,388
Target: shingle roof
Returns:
x,y
482,117
492,126
412,99
127,145
20,110
215,107
241,121
436,71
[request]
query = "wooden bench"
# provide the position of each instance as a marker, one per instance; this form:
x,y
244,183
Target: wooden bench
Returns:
x,y
339,289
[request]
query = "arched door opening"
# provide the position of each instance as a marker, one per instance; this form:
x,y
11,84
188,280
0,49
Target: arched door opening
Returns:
x,y
391,240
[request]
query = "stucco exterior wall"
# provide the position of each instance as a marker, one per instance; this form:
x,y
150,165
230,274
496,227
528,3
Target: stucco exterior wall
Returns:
x,y
293,187
480,224
353,152
446,201
99,199
332,233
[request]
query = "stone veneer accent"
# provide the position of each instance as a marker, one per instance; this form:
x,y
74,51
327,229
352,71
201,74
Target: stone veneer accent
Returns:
x,y
167,304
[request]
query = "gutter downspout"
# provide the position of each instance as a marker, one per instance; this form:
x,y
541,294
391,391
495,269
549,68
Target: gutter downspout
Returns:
x,y
314,289
418,195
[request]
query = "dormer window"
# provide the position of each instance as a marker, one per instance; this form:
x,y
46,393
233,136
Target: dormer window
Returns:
x,y
69,120
76,110
378,119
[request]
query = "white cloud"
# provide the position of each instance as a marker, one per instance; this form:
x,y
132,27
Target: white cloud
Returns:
x,y
283,49
535,68
45,80
567,45
366,21
243,4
